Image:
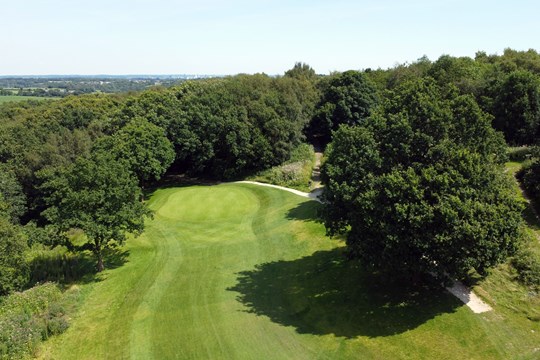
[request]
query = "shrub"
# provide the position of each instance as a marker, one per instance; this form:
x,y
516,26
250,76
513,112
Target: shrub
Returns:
x,y
519,153
28,317
527,265
530,178
295,173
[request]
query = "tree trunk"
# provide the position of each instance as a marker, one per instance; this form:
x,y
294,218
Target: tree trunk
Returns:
x,y
99,255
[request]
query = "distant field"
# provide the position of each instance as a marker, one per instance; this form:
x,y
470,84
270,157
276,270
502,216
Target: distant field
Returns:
x,y
239,271
4,99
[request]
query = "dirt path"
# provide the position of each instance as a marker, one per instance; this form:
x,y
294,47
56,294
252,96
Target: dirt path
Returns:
x,y
316,173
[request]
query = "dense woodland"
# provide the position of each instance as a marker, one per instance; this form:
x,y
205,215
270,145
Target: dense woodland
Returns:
x,y
413,174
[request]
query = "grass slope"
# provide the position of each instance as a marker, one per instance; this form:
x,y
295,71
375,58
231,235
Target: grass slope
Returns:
x,y
238,271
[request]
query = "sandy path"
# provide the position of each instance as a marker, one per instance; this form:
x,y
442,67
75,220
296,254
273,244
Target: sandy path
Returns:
x,y
314,195
469,298
316,173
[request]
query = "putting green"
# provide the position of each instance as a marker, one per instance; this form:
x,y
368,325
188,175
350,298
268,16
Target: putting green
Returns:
x,y
239,271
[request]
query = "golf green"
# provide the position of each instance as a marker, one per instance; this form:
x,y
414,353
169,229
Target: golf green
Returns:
x,y
239,271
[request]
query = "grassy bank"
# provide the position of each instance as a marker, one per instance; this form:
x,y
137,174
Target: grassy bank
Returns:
x,y
295,173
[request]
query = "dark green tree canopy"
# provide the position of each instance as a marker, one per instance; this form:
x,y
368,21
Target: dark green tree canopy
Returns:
x,y
229,127
143,146
11,195
348,98
418,188
98,195
14,271
517,108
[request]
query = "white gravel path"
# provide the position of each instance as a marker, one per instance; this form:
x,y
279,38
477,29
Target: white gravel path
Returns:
x,y
458,289
314,195
469,298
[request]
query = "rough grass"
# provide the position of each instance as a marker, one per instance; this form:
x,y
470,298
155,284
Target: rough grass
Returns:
x,y
295,173
238,271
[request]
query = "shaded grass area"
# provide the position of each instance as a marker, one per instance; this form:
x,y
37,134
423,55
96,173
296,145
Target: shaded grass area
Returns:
x,y
324,293
65,267
239,271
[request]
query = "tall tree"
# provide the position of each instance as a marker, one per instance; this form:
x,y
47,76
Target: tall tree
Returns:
x,y
348,98
517,108
98,195
419,187
143,146
301,71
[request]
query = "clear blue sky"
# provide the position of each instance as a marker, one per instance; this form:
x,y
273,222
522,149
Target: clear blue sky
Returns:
x,y
229,37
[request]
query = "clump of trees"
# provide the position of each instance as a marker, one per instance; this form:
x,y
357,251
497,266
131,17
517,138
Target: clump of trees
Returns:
x,y
347,98
98,195
419,188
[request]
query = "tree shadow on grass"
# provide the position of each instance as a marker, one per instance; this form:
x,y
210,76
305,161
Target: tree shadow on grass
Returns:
x,y
68,267
325,294
305,211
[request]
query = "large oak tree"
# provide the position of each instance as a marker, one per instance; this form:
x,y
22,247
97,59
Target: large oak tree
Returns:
x,y
98,195
419,187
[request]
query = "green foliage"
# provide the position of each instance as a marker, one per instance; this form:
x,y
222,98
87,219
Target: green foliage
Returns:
x,y
301,71
48,235
143,146
14,270
527,265
77,112
29,317
530,178
419,188
11,194
98,195
464,73
517,108
348,98
241,124
295,173
519,153
16,99
406,72
523,60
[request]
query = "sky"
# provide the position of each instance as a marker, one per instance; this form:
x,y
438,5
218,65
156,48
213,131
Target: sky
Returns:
x,y
43,37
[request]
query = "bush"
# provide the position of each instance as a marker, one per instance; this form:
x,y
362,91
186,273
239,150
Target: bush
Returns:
x,y
527,265
530,178
519,153
14,271
27,318
295,173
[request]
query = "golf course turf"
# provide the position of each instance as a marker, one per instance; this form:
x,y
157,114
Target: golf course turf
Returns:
x,y
240,271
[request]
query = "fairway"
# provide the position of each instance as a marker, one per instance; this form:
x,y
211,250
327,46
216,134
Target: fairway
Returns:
x,y
240,271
